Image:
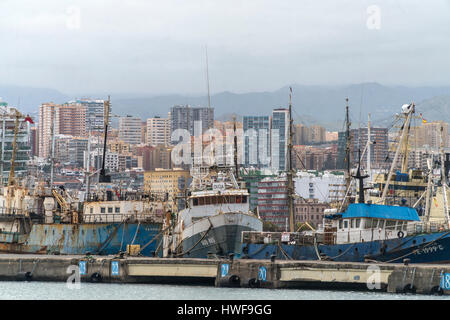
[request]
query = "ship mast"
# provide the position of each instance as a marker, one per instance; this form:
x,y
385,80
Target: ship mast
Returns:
x,y
369,142
88,164
289,169
347,144
443,180
103,178
347,153
407,110
236,165
428,189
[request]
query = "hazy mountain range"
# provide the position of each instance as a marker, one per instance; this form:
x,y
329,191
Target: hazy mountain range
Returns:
x,y
324,105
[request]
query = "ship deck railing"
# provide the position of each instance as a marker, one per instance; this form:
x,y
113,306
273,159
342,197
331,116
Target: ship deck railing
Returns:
x,y
329,235
427,227
111,217
16,212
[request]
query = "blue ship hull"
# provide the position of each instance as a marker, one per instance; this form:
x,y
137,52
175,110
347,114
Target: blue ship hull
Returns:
x,y
102,239
422,248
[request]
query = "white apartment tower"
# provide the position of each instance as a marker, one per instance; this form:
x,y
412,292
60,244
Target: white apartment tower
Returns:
x,y
130,130
47,113
158,131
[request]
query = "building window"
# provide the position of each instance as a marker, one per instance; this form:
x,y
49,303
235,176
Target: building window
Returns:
x,y
102,210
110,210
117,210
91,210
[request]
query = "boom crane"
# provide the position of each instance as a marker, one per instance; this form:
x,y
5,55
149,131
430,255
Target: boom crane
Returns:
x,y
407,111
18,116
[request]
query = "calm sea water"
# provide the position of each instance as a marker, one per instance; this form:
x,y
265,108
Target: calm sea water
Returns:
x,y
89,291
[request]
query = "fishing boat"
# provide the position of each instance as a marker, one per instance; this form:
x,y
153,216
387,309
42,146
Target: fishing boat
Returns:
x,y
365,231
47,220
217,213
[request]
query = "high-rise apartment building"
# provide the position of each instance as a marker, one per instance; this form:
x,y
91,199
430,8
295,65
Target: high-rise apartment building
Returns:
x,y
308,135
358,141
94,113
65,119
184,117
273,203
23,149
279,138
429,135
378,150
47,116
130,130
158,131
71,119
256,141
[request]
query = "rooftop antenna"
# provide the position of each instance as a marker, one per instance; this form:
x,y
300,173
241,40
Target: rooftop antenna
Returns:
x,y
207,77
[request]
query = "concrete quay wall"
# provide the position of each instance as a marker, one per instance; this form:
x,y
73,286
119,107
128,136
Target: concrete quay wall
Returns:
x,y
393,278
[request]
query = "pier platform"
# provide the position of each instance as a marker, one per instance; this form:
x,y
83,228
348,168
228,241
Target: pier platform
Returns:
x,y
393,278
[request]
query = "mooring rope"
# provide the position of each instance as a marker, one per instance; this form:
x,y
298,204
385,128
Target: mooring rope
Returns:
x,y
203,237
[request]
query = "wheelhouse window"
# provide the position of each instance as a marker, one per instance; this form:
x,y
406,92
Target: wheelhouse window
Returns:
x,y
102,210
390,224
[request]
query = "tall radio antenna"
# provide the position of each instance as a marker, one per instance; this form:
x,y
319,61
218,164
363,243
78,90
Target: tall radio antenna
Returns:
x,y
207,77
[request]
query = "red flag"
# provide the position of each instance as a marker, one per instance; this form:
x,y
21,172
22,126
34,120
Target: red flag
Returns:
x,y
28,118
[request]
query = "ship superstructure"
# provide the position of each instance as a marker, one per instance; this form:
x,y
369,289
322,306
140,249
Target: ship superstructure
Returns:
x,y
216,215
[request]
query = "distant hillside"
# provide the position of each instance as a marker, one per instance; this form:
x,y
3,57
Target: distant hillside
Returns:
x,y
324,105
28,99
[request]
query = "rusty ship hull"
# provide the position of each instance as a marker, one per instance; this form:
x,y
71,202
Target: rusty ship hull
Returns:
x,y
93,238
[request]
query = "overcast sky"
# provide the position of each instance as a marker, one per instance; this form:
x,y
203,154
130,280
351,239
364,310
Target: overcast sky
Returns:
x,y
153,47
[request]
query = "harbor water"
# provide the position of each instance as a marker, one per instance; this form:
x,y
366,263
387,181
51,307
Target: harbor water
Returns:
x,y
10,290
